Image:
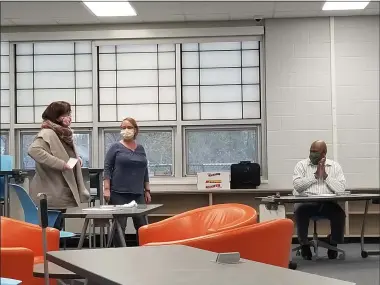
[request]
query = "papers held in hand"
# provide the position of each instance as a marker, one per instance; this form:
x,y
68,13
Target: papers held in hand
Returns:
x,y
72,161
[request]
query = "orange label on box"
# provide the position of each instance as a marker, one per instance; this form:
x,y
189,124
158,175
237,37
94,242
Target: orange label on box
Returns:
x,y
213,174
213,181
213,186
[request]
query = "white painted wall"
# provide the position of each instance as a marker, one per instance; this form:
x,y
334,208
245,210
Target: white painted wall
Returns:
x,y
299,95
357,86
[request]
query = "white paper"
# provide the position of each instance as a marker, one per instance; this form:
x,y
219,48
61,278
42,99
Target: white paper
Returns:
x,y
72,161
129,205
105,208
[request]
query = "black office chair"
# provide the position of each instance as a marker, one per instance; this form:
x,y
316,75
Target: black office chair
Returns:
x,y
316,243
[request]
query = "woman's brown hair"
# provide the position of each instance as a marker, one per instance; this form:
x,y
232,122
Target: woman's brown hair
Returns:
x,y
55,110
133,123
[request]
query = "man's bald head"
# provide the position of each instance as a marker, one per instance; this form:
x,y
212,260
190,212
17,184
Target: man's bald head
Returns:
x,y
319,146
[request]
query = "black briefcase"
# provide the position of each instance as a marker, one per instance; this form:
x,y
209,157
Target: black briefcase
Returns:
x,y
245,175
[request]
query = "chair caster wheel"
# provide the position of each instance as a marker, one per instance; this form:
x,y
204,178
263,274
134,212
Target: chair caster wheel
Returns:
x,y
364,254
332,254
292,265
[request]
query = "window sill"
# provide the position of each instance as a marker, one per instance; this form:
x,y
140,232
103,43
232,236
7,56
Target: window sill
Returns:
x,y
181,181
173,181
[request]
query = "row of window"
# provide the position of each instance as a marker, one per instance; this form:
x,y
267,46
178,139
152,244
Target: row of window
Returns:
x,y
217,80
206,149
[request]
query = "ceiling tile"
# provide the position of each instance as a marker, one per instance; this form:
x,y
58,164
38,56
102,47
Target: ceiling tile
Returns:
x,y
33,22
248,15
368,12
298,6
167,8
163,18
45,10
373,5
64,21
118,20
6,22
294,14
51,12
196,8
341,13
207,17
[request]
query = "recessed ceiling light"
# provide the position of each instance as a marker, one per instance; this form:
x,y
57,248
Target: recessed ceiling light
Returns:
x,y
111,8
344,5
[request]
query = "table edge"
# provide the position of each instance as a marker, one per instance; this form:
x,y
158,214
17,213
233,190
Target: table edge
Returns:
x,y
109,215
81,272
292,199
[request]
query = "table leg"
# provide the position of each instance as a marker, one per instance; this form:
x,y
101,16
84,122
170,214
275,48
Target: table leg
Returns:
x,y
101,236
111,233
121,233
6,196
366,253
93,232
83,233
90,235
363,226
64,228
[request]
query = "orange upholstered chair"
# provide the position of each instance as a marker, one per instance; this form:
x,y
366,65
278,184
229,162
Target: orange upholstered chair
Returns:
x,y
21,248
198,222
268,242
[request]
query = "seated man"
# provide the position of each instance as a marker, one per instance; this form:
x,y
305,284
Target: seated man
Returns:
x,y
314,176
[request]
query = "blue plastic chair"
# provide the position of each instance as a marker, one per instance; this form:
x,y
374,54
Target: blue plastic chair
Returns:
x,y
64,234
2,187
8,281
31,210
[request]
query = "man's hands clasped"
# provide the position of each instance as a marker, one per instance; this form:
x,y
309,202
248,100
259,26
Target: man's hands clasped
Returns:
x,y
321,170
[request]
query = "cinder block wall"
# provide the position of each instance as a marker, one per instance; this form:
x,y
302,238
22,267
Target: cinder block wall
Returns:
x,y
299,95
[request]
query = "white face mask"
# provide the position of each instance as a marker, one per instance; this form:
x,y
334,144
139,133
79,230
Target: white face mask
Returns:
x,y
127,134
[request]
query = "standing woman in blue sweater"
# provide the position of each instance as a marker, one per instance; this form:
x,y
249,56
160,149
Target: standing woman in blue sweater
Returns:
x,y
126,176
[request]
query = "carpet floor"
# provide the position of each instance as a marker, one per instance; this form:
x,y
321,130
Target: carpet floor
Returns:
x,y
362,271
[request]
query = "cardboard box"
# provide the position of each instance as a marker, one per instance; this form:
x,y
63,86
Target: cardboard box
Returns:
x,y
213,180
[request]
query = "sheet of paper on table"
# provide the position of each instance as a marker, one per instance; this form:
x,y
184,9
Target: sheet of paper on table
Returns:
x,y
111,207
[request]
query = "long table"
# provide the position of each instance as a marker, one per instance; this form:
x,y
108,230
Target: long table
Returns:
x,y
272,203
176,264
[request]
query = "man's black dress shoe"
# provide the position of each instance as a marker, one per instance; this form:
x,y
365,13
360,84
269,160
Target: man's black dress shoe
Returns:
x,y
306,252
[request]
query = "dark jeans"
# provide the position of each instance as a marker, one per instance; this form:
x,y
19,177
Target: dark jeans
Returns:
x,y
125,198
60,221
329,210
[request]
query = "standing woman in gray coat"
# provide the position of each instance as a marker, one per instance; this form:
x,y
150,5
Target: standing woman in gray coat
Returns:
x,y
51,149
126,177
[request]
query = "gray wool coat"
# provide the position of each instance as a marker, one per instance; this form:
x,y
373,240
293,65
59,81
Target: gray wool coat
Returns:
x,y
64,188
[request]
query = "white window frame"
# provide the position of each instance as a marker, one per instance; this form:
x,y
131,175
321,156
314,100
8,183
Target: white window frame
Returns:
x,y
180,33
181,125
33,89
